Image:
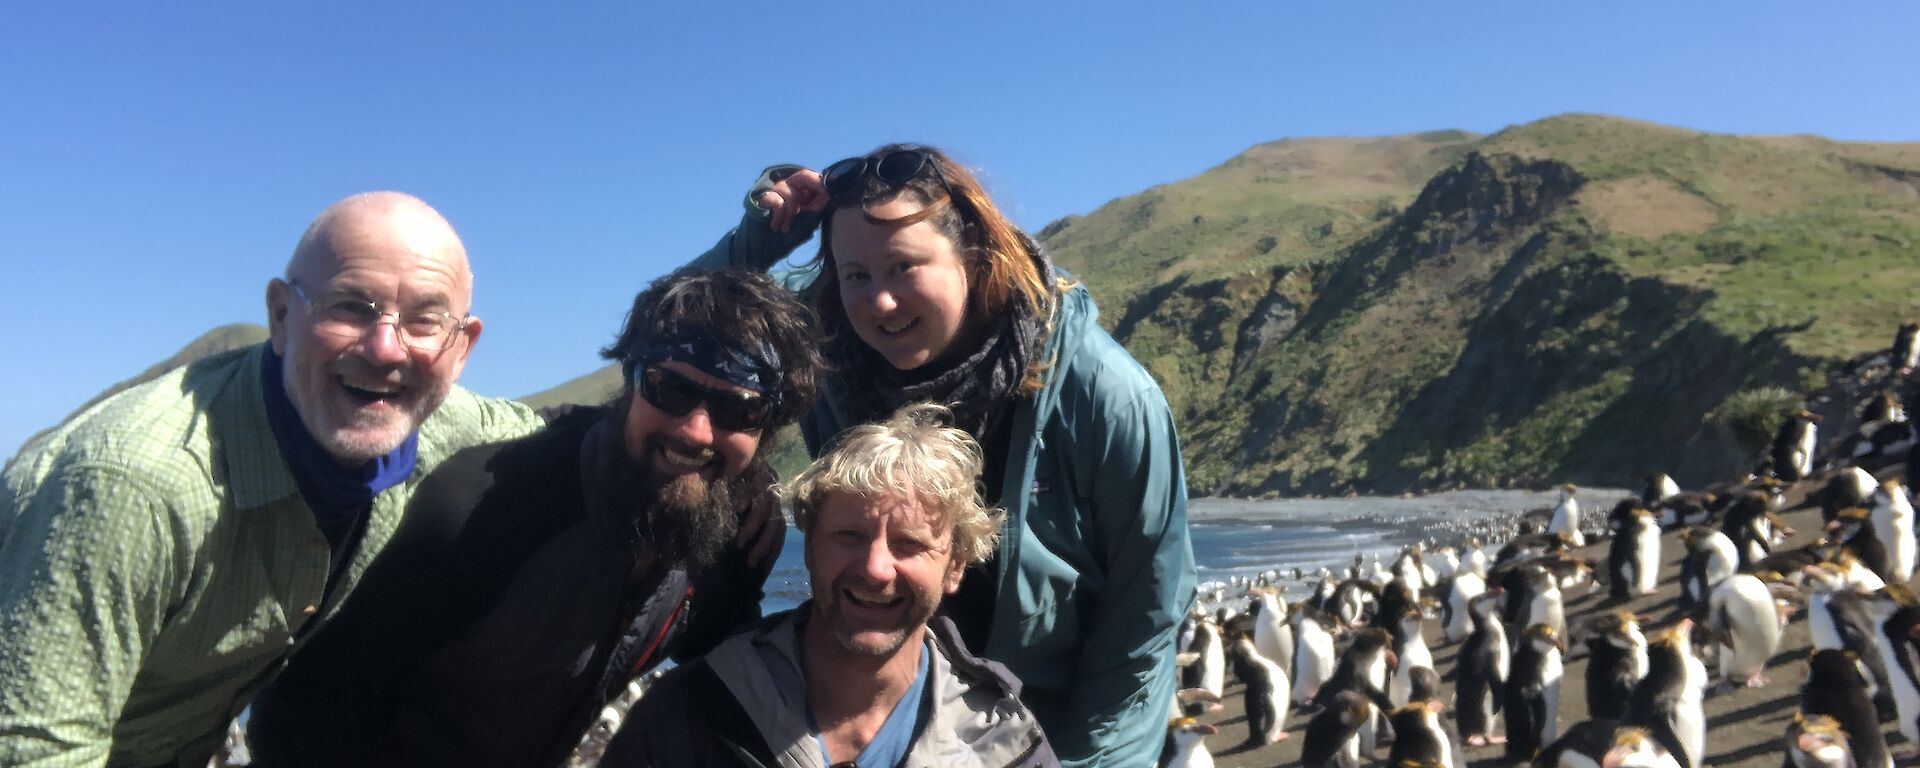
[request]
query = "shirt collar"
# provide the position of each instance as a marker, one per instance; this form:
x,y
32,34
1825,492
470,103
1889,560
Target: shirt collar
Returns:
x,y
257,474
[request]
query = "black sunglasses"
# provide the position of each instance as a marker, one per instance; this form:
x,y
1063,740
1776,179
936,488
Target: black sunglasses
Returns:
x,y
676,395
894,168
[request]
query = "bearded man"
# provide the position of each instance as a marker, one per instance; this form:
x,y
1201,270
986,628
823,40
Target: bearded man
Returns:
x,y
533,579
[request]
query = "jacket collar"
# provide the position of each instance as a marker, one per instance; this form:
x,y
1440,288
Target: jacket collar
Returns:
x,y
761,668
243,439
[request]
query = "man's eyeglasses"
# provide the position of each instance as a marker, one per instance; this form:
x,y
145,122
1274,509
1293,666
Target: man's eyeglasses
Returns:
x,y
894,168
352,317
677,396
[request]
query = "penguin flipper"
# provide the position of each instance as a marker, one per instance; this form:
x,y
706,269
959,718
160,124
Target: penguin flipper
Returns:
x,y
1662,732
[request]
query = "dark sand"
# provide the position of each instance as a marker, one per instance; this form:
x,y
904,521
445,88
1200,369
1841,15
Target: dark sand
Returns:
x,y
1744,727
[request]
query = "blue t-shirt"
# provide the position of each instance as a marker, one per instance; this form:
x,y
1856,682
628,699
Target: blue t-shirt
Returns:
x,y
889,746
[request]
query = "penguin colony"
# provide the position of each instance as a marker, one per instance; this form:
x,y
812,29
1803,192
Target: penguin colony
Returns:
x,y
1766,620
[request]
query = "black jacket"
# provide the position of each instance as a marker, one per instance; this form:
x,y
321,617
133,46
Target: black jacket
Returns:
x,y
496,624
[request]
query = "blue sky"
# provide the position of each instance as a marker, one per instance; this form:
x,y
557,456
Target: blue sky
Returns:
x,y
158,160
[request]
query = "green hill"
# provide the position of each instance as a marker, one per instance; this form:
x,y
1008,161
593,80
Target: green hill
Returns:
x,y
1562,300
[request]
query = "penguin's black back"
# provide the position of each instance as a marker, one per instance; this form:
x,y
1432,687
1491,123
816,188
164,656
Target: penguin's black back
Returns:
x,y
1609,679
1474,680
1412,740
1657,697
1835,688
1329,730
1524,701
1591,738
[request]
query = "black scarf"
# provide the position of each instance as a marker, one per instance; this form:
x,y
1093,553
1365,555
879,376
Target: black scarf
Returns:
x,y
865,388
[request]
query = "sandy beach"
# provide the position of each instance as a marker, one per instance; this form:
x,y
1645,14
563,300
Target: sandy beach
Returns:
x,y
1744,726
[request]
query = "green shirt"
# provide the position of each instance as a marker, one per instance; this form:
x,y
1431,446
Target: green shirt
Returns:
x,y
158,566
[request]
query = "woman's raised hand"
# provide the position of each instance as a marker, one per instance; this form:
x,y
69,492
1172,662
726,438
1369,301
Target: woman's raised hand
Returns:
x,y
800,192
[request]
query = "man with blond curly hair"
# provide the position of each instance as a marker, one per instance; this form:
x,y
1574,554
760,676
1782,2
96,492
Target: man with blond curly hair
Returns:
x,y
864,673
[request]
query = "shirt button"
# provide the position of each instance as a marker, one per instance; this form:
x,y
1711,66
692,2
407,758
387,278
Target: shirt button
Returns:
x,y
310,610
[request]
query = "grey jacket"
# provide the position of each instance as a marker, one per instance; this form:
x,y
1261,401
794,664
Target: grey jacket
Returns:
x,y
745,704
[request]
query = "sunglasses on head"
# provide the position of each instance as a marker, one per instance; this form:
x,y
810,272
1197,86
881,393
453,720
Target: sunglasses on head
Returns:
x,y
676,395
894,168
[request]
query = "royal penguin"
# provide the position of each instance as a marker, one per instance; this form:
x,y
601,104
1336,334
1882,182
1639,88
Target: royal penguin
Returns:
x,y
1463,588
1353,602
1845,488
1533,692
1445,563
1584,745
1883,406
1419,738
1744,619
1633,556
1188,738
1896,617
1566,517
1393,602
1272,635
1747,524
1667,702
1424,684
1635,747
1659,487
1710,559
1333,734
1840,616
1410,568
1686,509
1892,515
1475,559
1570,571
1816,742
1323,590
1206,667
1906,348
1313,657
1529,546
1790,563
1836,688
1266,694
1410,647
1876,438
1480,673
1616,662
1793,446
1364,669
1183,636
1854,531
1543,601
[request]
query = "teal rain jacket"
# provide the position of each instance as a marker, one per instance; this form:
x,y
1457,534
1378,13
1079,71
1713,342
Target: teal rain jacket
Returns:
x,y
1096,569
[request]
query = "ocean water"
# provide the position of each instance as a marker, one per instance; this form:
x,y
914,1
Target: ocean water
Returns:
x,y
1236,537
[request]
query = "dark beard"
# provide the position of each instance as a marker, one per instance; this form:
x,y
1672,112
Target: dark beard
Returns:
x,y
686,520
691,521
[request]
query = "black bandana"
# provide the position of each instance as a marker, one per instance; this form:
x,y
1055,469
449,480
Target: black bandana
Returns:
x,y
757,370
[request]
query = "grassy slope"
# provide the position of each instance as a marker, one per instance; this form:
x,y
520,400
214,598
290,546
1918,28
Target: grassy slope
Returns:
x,y
1706,242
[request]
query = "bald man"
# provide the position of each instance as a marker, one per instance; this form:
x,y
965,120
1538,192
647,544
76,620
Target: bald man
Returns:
x,y
164,553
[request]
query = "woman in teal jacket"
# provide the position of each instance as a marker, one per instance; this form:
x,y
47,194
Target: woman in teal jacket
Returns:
x,y
928,293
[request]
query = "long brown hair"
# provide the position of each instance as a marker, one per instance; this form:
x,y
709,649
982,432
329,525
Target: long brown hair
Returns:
x,y
998,257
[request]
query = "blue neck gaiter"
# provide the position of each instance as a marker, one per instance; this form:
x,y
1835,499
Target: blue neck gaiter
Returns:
x,y
338,495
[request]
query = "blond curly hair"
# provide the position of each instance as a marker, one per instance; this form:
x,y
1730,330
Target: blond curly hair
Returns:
x,y
913,454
